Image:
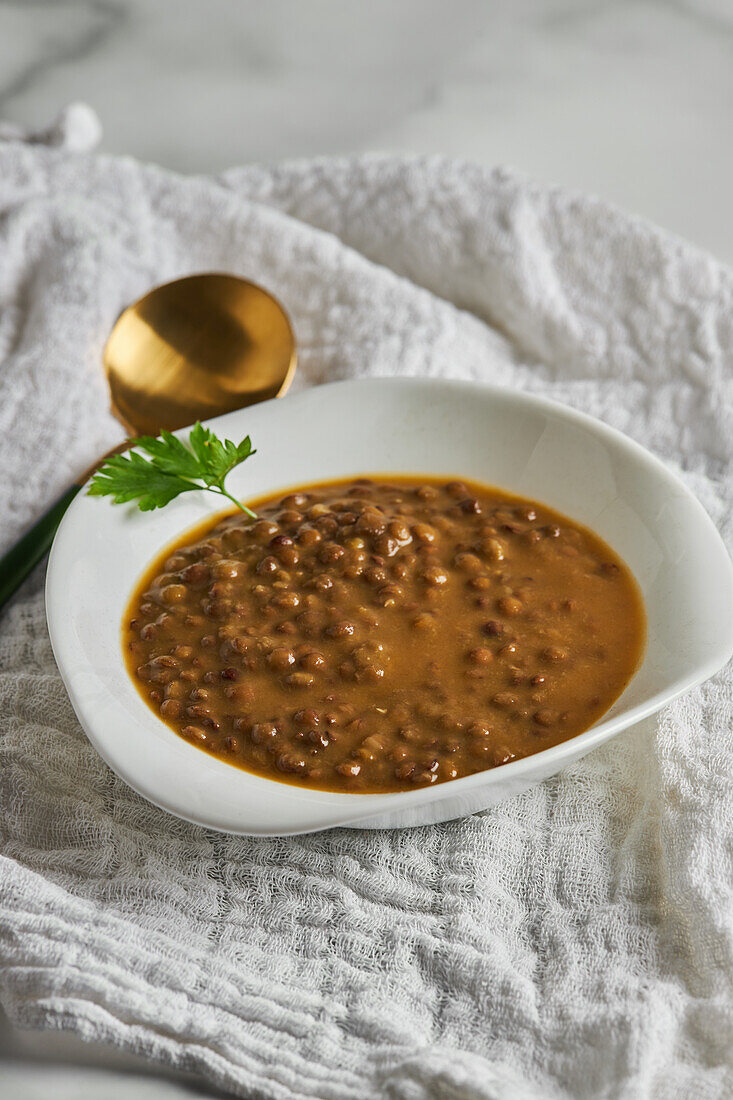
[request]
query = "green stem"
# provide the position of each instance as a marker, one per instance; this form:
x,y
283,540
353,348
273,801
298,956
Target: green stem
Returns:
x,y
242,507
22,558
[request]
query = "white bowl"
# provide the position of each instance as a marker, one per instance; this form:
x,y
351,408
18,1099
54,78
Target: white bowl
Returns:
x,y
526,445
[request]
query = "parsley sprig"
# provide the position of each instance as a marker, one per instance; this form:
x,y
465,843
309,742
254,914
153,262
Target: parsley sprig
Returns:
x,y
172,468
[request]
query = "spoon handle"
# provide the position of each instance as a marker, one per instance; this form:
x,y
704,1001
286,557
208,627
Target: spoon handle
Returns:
x,y
22,558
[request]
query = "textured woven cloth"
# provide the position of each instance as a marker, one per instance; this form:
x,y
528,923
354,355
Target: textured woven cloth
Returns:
x,y
576,941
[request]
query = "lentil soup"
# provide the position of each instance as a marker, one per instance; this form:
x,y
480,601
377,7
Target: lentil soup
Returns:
x,y
383,634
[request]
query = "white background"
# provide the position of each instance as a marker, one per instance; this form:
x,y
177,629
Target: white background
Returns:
x,y
630,99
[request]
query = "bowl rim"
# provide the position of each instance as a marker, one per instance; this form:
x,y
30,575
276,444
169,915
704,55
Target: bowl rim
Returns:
x,y
355,807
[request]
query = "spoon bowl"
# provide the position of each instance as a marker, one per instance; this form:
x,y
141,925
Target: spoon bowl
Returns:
x,y
196,348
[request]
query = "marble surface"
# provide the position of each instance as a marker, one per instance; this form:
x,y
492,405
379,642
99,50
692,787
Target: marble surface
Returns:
x,y
630,100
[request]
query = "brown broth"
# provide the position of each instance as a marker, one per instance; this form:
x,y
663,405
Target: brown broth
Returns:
x,y
383,633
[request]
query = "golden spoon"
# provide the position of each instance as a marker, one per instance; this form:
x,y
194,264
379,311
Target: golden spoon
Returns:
x,y
189,350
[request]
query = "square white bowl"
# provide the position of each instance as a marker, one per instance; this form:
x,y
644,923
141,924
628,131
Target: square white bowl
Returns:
x,y
523,444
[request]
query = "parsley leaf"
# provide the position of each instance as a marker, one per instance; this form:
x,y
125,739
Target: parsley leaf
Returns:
x,y
217,457
172,468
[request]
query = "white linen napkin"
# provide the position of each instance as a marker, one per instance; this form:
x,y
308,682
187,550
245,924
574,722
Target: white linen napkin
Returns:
x,y
576,941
